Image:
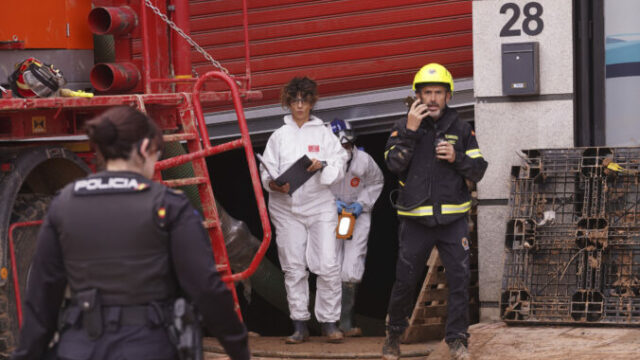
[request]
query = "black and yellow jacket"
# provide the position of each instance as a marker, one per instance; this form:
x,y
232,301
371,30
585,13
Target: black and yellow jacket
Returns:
x,y
432,190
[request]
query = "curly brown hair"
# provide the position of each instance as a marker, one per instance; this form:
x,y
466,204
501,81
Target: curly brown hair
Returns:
x,y
307,88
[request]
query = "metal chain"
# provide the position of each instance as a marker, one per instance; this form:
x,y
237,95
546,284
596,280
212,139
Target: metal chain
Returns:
x,y
186,37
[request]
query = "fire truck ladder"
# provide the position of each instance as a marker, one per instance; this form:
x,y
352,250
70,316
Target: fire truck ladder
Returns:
x,y
197,140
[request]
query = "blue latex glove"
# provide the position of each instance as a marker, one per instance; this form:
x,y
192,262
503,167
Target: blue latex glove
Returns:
x,y
355,208
340,205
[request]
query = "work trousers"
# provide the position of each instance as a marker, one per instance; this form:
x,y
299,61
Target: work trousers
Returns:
x,y
416,241
127,342
309,242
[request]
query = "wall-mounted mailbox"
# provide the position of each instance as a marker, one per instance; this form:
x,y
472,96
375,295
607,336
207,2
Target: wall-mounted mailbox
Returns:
x,y
520,69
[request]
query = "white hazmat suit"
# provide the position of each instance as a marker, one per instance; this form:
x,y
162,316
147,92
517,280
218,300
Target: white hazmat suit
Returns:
x,y
362,183
305,222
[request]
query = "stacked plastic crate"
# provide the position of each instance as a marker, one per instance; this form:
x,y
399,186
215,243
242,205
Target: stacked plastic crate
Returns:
x,y
572,246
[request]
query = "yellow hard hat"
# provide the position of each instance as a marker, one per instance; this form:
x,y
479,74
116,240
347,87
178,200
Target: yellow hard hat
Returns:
x,y
433,73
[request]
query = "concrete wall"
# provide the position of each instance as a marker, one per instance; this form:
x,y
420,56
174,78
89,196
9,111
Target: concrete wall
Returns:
x,y
506,124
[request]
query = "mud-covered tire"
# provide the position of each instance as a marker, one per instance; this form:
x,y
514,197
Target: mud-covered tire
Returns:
x,y
27,207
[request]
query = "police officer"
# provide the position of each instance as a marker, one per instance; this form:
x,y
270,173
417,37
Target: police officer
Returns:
x,y
127,248
356,193
432,151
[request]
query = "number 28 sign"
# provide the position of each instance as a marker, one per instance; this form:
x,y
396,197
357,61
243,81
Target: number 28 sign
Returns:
x,y
531,25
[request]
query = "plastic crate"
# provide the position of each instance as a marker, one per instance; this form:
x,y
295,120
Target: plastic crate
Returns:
x,y
572,245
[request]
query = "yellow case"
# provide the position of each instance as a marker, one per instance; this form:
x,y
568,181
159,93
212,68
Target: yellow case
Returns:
x,y
344,230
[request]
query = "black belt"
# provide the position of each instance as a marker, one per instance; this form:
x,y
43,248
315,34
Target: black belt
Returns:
x,y
96,317
114,316
132,315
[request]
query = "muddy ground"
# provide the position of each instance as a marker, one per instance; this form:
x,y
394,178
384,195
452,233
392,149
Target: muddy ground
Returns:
x,y
317,348
489,341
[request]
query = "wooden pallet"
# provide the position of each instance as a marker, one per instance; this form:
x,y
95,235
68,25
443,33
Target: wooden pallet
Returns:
x,y
429,315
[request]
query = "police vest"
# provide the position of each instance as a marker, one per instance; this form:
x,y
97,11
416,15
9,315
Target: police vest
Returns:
x,y
111,239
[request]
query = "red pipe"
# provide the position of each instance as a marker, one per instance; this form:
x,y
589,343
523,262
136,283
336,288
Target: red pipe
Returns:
x,y
14,267
112,20
247,63
146,51
114,76
181,48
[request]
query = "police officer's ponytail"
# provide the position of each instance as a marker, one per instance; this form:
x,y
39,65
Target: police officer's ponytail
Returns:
x,y
118,130
102,133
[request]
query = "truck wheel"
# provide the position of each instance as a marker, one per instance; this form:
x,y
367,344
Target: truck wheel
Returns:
x,y
27,207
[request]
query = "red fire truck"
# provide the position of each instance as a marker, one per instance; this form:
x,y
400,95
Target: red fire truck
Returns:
x,y
176,60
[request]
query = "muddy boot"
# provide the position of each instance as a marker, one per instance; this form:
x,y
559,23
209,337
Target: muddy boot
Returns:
x,y
346,316
391,347
331,331
458,349
300,333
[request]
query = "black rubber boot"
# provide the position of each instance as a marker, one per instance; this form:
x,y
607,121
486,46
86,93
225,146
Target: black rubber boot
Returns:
x,y
458,349
331,331
300,333
391,347
346,316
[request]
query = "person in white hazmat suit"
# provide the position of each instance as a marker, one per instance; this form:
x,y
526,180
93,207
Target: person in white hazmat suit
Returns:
x,y
356,193
305,221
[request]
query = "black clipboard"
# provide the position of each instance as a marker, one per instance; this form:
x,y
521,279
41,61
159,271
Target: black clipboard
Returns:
x,y
295,175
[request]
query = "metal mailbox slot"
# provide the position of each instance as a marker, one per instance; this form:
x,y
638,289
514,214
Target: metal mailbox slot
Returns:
x,y
520,69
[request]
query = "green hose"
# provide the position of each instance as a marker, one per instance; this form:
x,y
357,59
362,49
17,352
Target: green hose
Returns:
x,y
104,50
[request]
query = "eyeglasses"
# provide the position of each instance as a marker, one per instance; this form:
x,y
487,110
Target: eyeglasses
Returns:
x,y
299,100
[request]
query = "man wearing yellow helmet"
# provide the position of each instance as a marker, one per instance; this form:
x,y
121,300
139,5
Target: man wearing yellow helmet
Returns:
x,y
433,152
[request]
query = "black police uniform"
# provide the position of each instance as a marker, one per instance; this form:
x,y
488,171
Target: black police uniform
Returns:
x,y
432,205
127,247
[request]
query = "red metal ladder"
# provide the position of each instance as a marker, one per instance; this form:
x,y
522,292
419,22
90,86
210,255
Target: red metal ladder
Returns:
x,y
199,147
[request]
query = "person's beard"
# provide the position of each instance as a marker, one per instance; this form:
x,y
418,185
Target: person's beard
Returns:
x,y
437,113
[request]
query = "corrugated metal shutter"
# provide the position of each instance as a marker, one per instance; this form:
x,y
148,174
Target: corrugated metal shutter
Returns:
x,y
346,45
